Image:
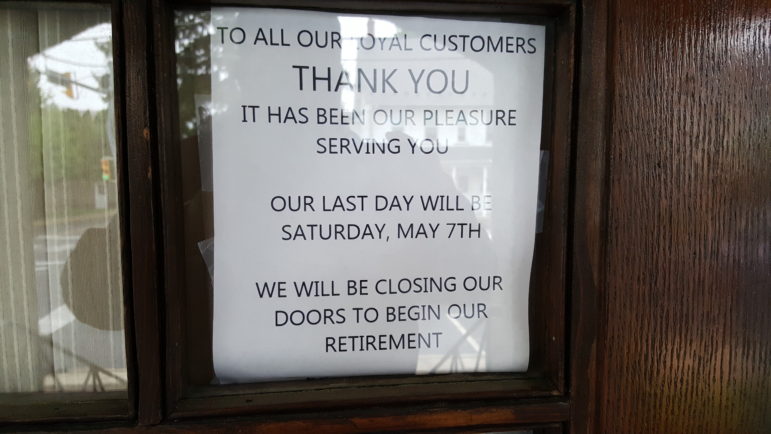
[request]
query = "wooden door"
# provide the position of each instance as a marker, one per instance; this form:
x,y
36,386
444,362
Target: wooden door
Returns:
x,y
682,283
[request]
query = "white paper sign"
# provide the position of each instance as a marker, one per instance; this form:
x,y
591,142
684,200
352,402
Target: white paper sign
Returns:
x,y
375,193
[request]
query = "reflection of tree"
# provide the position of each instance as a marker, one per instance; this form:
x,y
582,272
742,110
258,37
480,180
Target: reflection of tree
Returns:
x,y
193,65
72,142
192,46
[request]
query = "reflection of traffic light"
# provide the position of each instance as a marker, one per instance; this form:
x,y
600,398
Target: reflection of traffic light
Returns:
x,y
106,168
64,80
69,86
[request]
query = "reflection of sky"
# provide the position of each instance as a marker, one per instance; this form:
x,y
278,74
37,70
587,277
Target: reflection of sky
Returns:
x,y
78,64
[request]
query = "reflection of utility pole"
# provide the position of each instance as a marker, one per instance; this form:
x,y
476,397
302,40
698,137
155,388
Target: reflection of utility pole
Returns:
x,y
106,83
69,89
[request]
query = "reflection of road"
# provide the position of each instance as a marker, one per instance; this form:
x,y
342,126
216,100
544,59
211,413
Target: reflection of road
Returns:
x,y
51,253
68,336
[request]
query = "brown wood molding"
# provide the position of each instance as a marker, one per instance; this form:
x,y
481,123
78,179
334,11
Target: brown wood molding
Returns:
x,y
62,407
143,214
358,393
589,205
470,417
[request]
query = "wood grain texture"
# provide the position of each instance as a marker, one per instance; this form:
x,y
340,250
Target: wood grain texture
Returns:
x,y
171,200
360,393
688,332
589,205
469,417
143,213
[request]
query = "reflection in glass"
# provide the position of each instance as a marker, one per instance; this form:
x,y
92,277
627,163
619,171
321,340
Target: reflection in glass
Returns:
x,y
474,167
61,302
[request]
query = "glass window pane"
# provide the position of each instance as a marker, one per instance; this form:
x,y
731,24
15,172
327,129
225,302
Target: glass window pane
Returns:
x,y
61,295
287,118
192,48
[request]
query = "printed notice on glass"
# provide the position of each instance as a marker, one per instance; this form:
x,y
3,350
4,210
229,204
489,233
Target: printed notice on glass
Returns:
x,y
375,192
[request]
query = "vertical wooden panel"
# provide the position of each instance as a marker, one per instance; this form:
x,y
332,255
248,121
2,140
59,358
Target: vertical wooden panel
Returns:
x,y
589,215
688,337
170,188
146,272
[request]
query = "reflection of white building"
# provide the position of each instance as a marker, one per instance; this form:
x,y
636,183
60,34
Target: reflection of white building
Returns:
x,y
470,163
